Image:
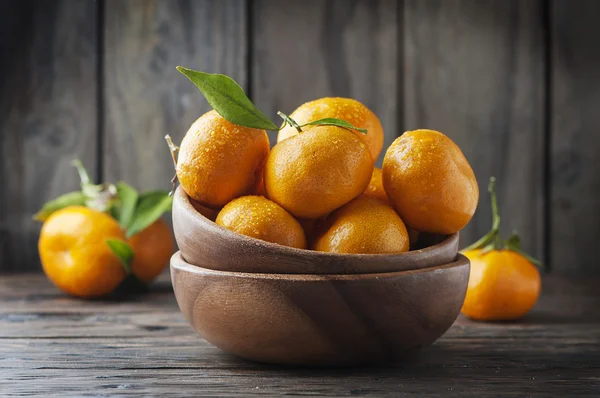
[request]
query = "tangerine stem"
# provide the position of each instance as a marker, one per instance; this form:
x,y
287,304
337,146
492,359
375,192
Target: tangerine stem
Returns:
x,y
172,148
83,174
290,121
495,215
492,235
483,241
527,256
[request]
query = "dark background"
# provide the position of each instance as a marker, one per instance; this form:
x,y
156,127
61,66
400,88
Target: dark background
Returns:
x,y
515,83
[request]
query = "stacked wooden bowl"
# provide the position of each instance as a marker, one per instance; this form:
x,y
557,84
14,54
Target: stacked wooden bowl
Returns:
x,y
277,304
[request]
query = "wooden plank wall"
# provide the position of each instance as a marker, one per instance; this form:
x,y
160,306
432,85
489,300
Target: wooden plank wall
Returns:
x,y
312,49
575,135
145,97
48,113
515,83
488,96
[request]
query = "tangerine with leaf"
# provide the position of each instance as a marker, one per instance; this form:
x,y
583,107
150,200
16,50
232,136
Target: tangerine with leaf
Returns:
x,y
104,236
75,255
347,109
219,161
324,166
504,283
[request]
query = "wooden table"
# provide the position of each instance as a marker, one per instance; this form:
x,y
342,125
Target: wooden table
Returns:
x,y
54,345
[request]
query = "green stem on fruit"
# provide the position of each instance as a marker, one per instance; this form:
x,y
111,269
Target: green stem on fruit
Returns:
x,y
492,240
492,235
527,256
495,214
83,174
97,196
290,121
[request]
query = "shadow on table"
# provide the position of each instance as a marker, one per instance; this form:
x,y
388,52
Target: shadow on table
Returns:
x,y
536,317
552,318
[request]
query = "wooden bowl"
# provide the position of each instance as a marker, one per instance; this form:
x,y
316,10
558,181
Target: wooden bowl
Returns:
x,y
320,319
204,243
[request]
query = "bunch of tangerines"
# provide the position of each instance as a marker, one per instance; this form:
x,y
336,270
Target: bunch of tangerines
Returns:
x,y
318,189
104,237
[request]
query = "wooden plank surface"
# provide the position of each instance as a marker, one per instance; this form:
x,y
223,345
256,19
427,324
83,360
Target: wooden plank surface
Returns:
x,y
47,114
145,96
575,151
52,345
475,71
311,49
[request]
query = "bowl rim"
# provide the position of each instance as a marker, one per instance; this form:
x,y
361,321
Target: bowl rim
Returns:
x,y
179,263
212,227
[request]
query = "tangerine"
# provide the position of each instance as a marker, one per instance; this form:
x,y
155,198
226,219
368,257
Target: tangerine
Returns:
x,y
313,173
260,218
74,252
429,182
375,188
219,161
503,285
365,225
347,109
152,248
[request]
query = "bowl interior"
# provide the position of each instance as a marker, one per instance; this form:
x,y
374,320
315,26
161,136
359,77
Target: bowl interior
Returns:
x,y
203,243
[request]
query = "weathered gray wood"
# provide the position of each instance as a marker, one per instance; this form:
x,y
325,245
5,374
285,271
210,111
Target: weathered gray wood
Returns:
x,y
52,345
145,96
47,114
311,49
471,69
475,71
575,121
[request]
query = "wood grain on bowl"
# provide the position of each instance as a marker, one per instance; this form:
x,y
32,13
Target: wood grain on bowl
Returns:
x,y
320,319
207,245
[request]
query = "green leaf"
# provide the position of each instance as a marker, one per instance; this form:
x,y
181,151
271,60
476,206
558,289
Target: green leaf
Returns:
x,y
329,121
123,251
151,205
514,241
76,198
128,198
228,99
